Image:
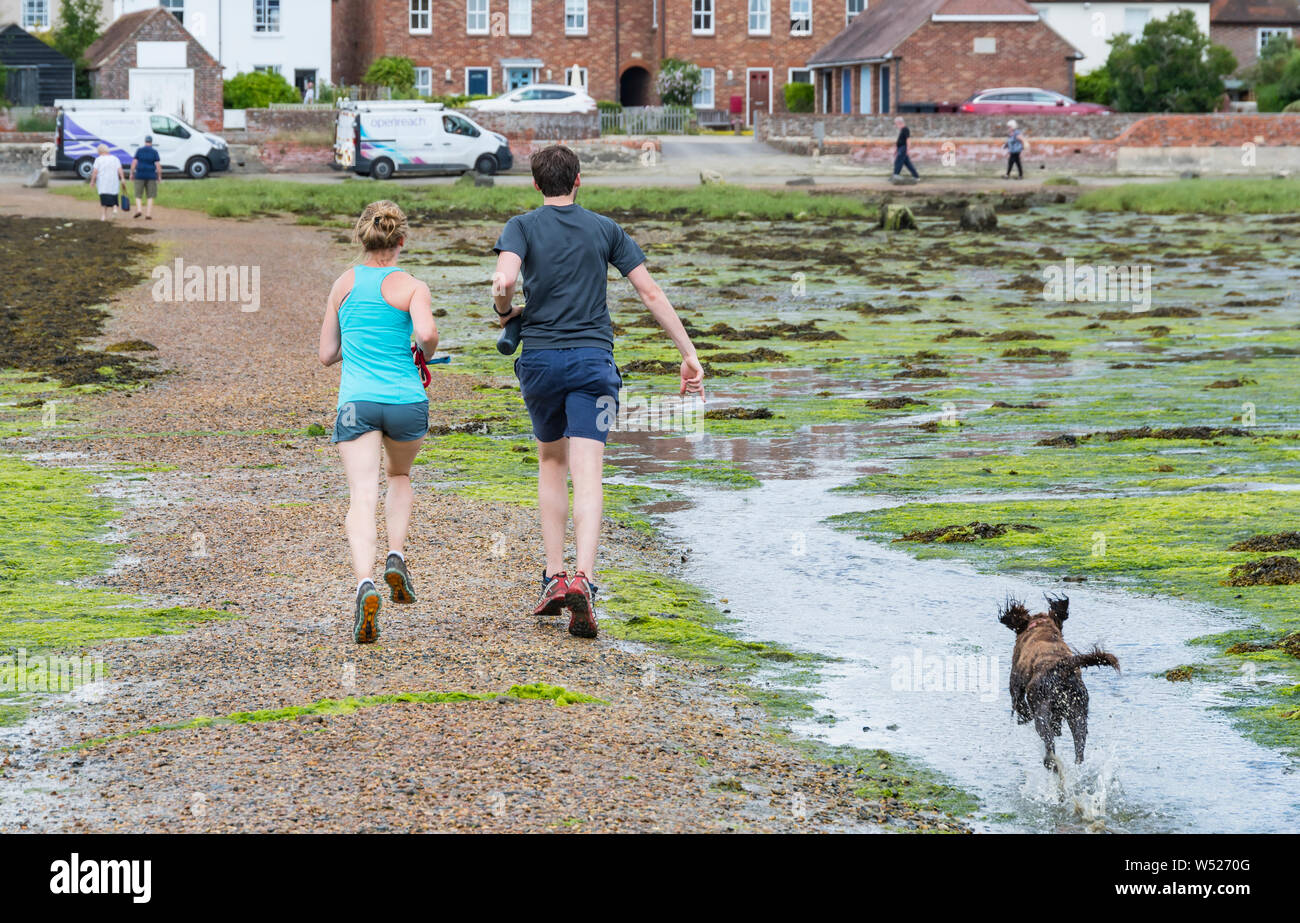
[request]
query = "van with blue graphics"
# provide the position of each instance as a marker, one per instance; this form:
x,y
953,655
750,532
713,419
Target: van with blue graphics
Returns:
x,y
81,125
386,137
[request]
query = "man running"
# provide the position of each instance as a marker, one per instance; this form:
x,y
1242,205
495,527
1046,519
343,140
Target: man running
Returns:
x,y
566,371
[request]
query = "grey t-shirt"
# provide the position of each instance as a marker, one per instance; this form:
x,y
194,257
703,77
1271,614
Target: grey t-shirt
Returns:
x,y
566,251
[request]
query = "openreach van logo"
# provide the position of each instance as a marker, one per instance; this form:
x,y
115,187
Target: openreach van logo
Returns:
x,y
76,875
241,285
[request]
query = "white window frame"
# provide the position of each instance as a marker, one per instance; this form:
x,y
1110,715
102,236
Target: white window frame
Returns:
x,y
519,17
575,17
263,22
419,11
266,68
702,11
790,72
1263,35
473,10
1136,33
424,88
36,15
701,101
582,75
760,18
850,13
489,73
801,10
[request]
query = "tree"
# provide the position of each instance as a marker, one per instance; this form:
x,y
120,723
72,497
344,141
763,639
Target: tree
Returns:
x,y
1173,67
257,90
1095,87
78,29
392,71
678,82
1276,75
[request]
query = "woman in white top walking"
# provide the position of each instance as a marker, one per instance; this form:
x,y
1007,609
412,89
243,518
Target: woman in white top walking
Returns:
x,y
106,173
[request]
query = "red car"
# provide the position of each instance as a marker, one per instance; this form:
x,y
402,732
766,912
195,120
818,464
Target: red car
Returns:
x,y
1028,101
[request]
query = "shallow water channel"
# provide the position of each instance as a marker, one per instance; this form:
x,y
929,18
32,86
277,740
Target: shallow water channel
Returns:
x,y
921,662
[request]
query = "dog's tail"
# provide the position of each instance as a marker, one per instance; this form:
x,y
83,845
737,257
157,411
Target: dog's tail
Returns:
x,y
1094,658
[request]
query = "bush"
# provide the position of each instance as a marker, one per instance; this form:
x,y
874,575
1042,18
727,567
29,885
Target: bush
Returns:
x,y
608,105
1095,87
1276,76
799,97
36,122
1292,107
677,83
257,90
392,71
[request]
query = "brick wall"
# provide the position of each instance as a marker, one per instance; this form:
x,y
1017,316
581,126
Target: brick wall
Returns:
x,y
940,65
1218,130
112,80
1241,41
261,123
779,127
522,126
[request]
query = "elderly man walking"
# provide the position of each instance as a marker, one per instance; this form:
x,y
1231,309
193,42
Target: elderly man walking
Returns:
x,y
901,157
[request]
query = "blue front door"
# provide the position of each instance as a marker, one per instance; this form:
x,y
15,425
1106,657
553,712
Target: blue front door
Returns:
x,y
884,88
477,84
517,77
846,91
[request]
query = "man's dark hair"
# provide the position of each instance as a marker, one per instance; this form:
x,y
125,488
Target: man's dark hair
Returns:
x,y
555,170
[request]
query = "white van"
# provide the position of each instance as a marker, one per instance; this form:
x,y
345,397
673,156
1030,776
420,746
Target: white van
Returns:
x,y
381,138
81,125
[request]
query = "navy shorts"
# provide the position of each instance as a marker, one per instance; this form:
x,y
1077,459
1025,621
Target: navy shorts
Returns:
x,y
108,200
570,392
399,422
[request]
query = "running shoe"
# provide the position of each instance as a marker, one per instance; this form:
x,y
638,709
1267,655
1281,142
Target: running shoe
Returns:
x,y
398,580
366,629
581,602
554,590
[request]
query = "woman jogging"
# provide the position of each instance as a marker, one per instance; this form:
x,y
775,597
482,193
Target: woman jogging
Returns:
x,y
1014,144
373,310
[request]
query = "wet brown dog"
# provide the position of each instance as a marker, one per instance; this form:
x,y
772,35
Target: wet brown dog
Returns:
x,y
1046,683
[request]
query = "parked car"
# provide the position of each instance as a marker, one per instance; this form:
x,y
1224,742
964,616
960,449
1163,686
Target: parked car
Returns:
x,y
83,124
1028,101
539,97
383,138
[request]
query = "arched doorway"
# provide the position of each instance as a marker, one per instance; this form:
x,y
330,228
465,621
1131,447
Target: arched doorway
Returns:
x,y
634,87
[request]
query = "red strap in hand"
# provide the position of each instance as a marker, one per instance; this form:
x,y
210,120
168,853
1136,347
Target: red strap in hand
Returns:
x,y
422,364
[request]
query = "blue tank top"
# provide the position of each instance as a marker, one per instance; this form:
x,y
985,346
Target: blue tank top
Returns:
x,y
377,364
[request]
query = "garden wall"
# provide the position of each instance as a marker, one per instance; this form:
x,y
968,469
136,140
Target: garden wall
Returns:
x,y
1127,143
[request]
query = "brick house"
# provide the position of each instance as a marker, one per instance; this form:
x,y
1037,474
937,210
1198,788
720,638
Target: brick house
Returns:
x,y
909,55
1245,25
148,57
746,49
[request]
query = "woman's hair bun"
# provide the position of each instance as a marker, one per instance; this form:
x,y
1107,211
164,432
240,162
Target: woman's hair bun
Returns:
x,y
382,226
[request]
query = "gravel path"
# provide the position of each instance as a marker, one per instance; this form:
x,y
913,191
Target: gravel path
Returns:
x,y
682,754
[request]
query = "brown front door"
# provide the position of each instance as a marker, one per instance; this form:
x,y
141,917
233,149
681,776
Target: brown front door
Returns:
x,y
760,90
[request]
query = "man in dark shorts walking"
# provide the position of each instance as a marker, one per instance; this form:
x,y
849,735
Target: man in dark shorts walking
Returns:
x,y
146,172
566,370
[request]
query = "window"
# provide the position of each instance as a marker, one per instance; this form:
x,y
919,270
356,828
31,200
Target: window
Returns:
x,y
421,19
582,77
424,81
166,125
1135,19
267,68
476,17
800,75
521,17
266,15
801,17
575,17
455,125
704,95
852,8
1265,35
36,15
986,45
702,17
760,17
175,7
